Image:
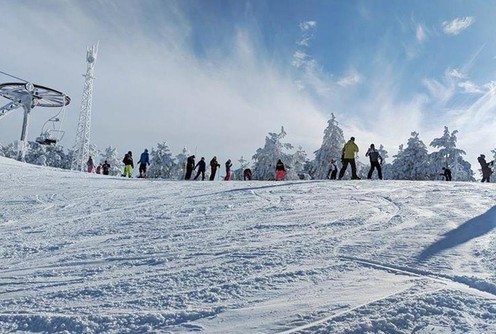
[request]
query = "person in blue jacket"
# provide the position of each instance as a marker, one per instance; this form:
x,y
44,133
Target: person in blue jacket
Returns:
x,y
143,162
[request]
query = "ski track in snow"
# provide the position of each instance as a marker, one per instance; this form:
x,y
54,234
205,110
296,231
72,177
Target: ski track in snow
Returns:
x,y
92,254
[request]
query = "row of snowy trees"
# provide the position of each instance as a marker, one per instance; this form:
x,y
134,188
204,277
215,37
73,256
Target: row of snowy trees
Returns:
x,y
412,162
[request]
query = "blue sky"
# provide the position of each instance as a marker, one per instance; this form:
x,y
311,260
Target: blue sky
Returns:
x,y
217,76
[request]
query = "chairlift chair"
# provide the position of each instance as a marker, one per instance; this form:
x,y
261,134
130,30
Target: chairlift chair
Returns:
x,y
51,136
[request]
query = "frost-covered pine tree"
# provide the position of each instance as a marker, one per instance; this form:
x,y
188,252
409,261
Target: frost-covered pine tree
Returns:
x,y
494,159
46,155
386,167
412,163
332,146
298,165
238,173
266,157
162,163
449,156
180,169
114,160
56,157
10,151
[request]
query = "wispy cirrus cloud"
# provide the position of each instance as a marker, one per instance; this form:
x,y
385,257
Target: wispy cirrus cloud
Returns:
x,y
457,25
350,79
421,33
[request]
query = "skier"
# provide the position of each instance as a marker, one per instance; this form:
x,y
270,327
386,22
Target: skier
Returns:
x,y
105,168
446,173
333,170
99,168
190,165
202,166
486,170
280,171
228,170
90,165
348,157
128,164
143,162
247,174
374,157
213,168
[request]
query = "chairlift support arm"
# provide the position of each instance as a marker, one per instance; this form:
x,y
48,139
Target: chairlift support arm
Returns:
x,y
8,108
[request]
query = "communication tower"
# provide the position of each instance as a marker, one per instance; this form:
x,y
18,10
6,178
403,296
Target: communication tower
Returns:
x,y
82,141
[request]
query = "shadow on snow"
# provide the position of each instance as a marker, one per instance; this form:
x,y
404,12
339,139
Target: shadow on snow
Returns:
x,y
471,229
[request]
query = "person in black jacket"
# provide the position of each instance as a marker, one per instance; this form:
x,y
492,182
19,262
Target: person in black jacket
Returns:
x,y
190,165
446,173
374,157
128,164
105,168
202,166
214,164
486,170
228,170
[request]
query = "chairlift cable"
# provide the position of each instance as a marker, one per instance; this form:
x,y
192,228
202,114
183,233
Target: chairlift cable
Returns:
x,y
12,76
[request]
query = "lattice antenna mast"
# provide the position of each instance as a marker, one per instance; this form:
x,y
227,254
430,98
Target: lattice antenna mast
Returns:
x,y
82,142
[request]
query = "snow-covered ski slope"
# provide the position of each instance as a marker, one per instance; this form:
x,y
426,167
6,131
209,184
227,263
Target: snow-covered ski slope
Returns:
x,y
84,253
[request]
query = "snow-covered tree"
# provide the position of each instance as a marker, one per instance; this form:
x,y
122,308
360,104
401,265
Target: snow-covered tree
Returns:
x,y
449,156
297,165
266,157
238,173
386,167
180,169
411,163
162,163
332,146
10,151
114,160
46,155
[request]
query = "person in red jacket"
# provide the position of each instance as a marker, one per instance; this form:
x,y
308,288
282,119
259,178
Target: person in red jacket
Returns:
x,y
280,171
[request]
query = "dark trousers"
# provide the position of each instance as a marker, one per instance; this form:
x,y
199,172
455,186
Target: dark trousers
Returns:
x,y
486,174
345,165
374,165
332,174
202,172
188,173
142,169
212,174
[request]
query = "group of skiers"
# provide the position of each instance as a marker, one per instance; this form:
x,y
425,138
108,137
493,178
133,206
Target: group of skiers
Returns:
x,y
348,155
128,165
201,168
100,168
143,163
350,150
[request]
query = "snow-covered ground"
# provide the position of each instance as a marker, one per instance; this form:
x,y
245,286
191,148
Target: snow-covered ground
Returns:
x,y
84,253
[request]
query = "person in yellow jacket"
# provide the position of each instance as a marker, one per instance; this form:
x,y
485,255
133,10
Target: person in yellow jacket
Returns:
x,y
350,149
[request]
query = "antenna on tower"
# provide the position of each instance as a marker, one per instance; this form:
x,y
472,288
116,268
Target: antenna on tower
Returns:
x,y
82,142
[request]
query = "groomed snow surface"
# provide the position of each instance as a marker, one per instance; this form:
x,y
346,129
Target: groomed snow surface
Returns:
x,y
85,253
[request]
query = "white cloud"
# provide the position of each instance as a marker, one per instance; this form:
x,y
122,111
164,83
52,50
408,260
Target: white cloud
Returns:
x,y
421,33
352,78
151,85
308,25
457,25
455,74
471,88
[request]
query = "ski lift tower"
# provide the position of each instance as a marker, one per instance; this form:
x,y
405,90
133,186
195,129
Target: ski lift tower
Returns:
x,y
82,142
28,95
